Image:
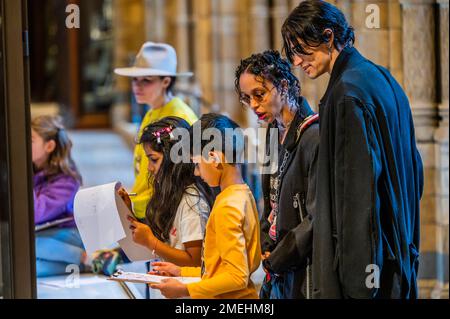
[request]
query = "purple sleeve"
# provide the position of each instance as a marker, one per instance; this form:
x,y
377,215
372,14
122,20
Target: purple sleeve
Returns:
x,y
54,199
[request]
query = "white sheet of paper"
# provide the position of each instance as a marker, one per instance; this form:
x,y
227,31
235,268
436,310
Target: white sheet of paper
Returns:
x,y
101,218
96,217
134,252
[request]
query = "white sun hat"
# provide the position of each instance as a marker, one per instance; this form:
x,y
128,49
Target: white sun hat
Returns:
x,y
153,59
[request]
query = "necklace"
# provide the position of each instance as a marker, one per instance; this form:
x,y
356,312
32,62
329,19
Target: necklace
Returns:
x,y
288,125
285,130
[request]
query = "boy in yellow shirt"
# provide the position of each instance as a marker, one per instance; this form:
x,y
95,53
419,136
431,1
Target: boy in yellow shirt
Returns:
x,y
231,251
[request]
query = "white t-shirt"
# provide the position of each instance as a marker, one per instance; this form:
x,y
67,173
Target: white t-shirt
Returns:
x,y
190,219
189,224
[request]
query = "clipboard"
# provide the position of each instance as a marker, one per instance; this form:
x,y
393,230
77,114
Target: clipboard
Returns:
x,y
53,223
139,278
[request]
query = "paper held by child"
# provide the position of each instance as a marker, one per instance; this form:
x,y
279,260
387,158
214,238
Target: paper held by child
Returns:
x,y
101,218
148,279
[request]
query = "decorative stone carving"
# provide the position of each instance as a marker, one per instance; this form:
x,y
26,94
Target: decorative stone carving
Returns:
x,y
442,155
419,56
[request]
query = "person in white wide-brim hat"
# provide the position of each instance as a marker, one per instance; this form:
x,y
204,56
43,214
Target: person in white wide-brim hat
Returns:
x,y
153,75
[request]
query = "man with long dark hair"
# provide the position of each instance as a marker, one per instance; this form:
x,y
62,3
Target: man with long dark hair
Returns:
x,y
370,176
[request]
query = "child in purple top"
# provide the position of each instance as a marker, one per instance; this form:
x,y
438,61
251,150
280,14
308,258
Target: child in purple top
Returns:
x,y
55,183
53,197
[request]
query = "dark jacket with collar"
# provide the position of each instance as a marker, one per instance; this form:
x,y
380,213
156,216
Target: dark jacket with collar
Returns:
x,y
290,255
370,182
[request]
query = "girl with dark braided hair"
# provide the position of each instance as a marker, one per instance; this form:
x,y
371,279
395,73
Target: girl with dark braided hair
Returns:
x,y
266,84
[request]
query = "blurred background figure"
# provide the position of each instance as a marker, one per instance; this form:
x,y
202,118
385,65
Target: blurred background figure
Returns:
x,y
153,75
56,181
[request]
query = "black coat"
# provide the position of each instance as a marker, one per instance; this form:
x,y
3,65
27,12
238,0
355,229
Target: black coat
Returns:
x,y
370,181
290,255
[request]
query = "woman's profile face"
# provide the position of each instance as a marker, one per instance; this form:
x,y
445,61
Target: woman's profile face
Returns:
x,y
154,159
149,89
261,96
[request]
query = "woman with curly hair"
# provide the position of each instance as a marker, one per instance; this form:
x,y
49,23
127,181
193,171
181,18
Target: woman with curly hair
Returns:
x,y
266,84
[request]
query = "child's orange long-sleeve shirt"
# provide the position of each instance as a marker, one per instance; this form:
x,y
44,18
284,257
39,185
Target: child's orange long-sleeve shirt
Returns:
x,y
232,249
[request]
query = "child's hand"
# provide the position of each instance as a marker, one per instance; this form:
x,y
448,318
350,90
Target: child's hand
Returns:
x,y
124,195
171,288
142,234
165,269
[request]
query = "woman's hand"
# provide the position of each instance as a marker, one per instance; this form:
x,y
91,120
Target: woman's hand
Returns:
x,y
165,269
142,234
264,256
171,288
124,195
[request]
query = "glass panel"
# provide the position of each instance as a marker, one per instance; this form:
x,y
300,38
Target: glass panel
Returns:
x,y
96,56
16,245
4,245
1,159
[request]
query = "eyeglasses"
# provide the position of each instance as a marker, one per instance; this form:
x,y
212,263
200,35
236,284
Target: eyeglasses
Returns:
x,y
258,97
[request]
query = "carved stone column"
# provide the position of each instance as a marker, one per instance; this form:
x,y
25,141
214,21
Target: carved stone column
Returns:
x,y
179,20
155,20
395,40
129,34
204,44
346,7
226,18
259,29
178,24
419,71
280,11
442,160
371,23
